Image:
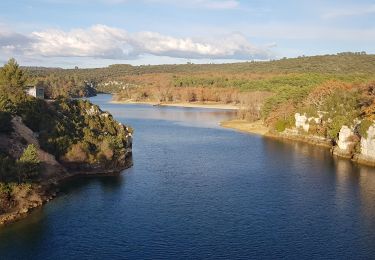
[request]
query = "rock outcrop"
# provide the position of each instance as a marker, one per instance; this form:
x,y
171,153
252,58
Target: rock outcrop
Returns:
x,y
367,153
346,142
302,121
26,197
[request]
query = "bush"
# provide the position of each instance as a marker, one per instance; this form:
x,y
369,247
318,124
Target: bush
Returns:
x,y
5,122
364,126
281,125
8,169
29,163
335,126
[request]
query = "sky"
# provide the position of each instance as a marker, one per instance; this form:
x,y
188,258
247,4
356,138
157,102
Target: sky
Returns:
x,y
97,33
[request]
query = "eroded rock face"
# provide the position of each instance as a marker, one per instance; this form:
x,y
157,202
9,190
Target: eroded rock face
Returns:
x,y
302,122
368,144
344,142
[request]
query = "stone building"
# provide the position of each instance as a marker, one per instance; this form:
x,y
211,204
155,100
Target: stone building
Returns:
x,y
37,92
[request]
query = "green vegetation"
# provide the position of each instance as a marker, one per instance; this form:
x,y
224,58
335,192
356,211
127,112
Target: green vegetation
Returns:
x,y
282,124
5,122
8,168
76,132
26,168
339,85
247,76
364,126
29,163
12,75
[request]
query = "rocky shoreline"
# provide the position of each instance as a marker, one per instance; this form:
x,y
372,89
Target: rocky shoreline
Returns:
x,y
27,196
343,148
39,194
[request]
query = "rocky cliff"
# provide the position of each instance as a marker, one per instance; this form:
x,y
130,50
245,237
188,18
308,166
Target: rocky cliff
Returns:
x,y
349,143
109,151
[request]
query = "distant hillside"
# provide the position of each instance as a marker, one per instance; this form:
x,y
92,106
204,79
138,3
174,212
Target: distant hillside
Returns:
x,y
340,63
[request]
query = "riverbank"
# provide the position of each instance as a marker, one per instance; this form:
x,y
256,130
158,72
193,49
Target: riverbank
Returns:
x,y
247,127
28,197
211,105
292,136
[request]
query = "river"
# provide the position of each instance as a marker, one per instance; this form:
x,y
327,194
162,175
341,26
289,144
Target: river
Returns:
x,y
197,191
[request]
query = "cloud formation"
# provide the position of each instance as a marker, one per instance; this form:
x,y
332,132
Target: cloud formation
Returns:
x,y
106,42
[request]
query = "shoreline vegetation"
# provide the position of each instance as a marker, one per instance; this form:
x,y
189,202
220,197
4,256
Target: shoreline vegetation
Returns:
x,y
244,126
259,128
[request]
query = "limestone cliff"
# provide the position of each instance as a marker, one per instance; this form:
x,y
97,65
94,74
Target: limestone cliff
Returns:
x,y
367,145
345,145
348,144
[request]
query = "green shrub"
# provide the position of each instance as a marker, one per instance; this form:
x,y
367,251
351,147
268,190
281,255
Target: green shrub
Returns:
x,y
5,122
281,125
364,126
335,125
8,171
29,163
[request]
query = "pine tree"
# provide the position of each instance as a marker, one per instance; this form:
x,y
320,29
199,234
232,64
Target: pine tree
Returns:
x,y
12,75
29,163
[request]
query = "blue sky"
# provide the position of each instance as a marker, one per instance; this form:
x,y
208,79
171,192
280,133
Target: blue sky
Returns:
x,y
95,33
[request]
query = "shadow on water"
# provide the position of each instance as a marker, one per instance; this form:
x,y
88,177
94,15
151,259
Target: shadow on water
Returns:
x,y
30,231
107,183
345,174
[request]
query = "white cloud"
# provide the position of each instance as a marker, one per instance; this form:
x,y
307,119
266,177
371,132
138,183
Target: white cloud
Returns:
x,y
97,41
105,42
228,46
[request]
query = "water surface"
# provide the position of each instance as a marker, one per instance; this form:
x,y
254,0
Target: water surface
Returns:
x,y
199,191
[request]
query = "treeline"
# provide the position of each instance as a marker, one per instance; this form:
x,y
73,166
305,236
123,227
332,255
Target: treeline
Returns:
x,y
81,82
342,63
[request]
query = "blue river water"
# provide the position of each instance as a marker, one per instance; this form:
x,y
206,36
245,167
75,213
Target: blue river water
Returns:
x,y
198,191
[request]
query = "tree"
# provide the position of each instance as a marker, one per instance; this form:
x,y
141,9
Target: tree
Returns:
x,y
12,75
5,122
29,163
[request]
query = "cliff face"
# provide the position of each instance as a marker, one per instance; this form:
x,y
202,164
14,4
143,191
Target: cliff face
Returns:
x,y
367,145
109,151
348,144
301,131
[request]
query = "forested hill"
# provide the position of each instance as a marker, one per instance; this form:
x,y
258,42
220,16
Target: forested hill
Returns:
x,y
340,63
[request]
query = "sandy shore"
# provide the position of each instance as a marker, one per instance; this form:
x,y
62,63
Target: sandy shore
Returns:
x,y
247,127
189,105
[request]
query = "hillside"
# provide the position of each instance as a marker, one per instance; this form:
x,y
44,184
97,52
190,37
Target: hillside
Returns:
x,y
45,142
340,63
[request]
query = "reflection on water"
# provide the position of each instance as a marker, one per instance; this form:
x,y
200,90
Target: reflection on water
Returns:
x,y
199,191
187,116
